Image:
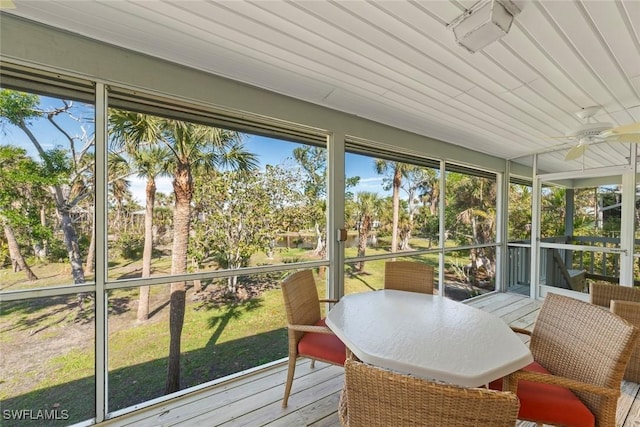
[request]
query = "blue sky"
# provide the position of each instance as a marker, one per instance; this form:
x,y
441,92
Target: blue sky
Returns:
x,y
272,151
269,150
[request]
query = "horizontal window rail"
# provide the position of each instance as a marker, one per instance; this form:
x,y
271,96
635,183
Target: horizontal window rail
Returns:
x,y
585,248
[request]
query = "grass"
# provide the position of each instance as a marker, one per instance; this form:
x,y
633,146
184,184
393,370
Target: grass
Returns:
x,y
53,348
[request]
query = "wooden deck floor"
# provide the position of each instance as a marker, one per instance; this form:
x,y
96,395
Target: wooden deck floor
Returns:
x,y
255,400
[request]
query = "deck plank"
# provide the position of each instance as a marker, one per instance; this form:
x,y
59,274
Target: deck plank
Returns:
x,y
318,412
256,399
629,405
265,405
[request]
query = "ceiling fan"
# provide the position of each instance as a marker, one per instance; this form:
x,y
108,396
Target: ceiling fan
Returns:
x,y
593,132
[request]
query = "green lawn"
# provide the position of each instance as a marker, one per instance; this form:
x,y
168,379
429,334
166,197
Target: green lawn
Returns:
x,y
52,345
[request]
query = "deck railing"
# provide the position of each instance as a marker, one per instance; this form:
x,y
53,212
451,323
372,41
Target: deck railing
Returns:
x,y
597,256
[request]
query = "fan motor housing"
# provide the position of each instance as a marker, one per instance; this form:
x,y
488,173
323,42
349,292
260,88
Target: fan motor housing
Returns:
x,y
589,129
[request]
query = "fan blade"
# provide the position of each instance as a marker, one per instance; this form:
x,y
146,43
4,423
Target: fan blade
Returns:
x,y
633,138
576,152
630,137
622,130
632,128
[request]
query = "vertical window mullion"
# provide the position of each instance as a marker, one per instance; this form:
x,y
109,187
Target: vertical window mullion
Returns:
x,y
336,208
502,204
441,232
101,111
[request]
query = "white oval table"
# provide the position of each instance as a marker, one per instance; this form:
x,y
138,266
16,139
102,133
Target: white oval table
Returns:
x,y
428,336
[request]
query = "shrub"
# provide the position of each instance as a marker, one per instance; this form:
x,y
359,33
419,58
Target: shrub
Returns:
x,y
129,246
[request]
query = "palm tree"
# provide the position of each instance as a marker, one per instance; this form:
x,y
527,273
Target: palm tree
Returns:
x,y
150,162
367,207
193,148
396,170
138,135
188,148
118,170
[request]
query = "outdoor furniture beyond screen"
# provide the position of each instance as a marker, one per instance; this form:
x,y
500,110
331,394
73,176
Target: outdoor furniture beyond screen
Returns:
x,y
308,335
409,276
575,345
428,336
630,311
375,397
602,293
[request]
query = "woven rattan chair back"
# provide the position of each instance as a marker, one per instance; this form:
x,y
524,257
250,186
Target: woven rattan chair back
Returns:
x,y
630,311
409,276
580,341
302,306
603,293
375,397
301,301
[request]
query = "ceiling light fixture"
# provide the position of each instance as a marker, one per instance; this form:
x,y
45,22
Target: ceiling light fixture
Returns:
x,y
482,24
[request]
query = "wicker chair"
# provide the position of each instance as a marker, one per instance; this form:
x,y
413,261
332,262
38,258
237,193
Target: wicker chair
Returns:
x,y
408,276
602,293
630,311
579,347
308,335
376,397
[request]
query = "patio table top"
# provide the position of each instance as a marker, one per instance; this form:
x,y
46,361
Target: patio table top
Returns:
x,y
428,336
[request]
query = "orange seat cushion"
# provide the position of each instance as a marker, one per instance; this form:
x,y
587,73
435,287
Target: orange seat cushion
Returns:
x,y
322,346
549,404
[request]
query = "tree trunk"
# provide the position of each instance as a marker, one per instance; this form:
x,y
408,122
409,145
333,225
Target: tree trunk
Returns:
x,y
45,244
197,285
71,242
147,252
397,181
404,241
232,285
363,234
89,263
183,191
62,209
17,259
320,245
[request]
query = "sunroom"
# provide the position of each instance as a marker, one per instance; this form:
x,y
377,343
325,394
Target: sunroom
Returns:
x,y
180,159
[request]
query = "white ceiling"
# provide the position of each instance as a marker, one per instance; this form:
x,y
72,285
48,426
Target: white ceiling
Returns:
x,y
396,62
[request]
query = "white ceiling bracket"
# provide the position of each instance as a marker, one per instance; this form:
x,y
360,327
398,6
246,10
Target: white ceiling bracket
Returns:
x,y
483,23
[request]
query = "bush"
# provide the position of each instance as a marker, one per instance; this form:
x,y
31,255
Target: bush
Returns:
x,y
5,260
57,251
129,246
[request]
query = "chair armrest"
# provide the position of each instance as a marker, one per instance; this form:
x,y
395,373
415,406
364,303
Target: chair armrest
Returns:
x,y
576,385
310,328
328,300
520,331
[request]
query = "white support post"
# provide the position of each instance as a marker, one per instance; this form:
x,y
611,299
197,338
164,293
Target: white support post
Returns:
x,y
502,228
441,228
100,212
627,231
335,221
535,231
